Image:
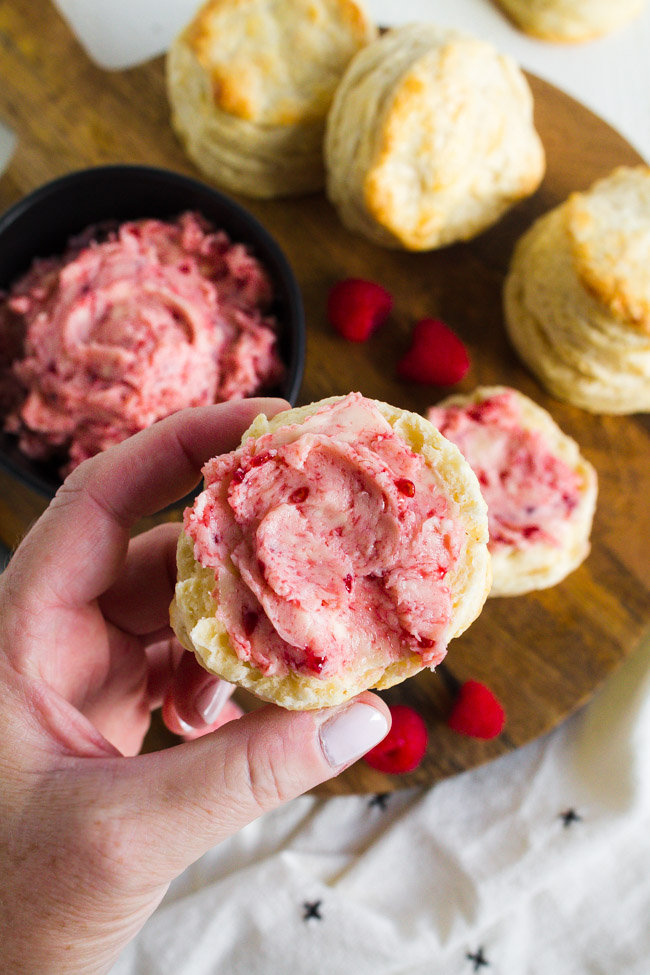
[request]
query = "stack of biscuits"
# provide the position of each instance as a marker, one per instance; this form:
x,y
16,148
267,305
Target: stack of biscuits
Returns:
x,y
430,139
571,20
426,135
577,296
250,84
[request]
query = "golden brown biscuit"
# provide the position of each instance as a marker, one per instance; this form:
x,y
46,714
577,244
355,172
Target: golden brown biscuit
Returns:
x,y
430,139
571,20
540,490
250,83
325,570
577,295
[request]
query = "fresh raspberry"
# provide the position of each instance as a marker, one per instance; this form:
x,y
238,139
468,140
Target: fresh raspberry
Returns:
x,y
436,355
477,712
404,746
356,308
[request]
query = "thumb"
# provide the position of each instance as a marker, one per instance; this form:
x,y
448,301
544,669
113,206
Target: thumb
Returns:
x,y
190,797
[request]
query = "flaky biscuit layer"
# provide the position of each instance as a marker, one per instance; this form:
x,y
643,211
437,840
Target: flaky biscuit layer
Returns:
x,y
576,298
430,138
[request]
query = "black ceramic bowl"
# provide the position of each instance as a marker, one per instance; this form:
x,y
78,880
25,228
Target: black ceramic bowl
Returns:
x,y
41,224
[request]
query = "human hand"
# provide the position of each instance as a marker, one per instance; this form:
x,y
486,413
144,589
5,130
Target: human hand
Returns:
x,y
91,834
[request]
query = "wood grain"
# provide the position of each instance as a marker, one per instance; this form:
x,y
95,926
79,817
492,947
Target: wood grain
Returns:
x,y
543,654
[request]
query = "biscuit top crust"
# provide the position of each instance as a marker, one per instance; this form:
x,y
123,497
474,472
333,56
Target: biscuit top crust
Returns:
x,y
454,117
328,538
529,490
609,233
276,62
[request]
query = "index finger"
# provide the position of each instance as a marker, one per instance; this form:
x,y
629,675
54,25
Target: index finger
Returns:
x,y
74,551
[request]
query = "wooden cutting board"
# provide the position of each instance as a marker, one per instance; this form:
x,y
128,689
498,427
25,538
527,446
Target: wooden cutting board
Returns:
x,y
543,654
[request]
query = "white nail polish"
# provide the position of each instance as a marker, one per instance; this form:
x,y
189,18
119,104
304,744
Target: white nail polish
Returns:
x,y
210,701
351,733
185,728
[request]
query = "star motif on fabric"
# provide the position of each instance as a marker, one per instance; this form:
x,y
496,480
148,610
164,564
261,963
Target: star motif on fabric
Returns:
x,y
311,911
478,960
380,800
569,816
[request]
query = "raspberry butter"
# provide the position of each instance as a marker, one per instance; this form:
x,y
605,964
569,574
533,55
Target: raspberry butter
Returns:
x,y
341,540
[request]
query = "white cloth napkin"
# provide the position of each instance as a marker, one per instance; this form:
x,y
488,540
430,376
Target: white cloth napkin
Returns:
x,y
537,863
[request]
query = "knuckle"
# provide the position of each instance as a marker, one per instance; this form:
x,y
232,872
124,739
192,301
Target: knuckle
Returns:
x,y
72,486
268,773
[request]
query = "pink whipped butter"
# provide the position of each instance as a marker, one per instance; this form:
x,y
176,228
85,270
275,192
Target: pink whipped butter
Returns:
x,y
341,540
529,491
119,332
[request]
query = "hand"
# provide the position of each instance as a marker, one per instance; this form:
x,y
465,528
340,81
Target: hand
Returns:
x,y
90,838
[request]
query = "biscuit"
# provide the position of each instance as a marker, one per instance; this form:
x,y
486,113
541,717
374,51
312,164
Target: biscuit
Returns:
x,y
430,139
540,491
571,20
250,83
577,296
356,578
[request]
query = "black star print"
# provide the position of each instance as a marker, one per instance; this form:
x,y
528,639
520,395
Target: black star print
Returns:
x,y
478,960
312,911
568,817
380,800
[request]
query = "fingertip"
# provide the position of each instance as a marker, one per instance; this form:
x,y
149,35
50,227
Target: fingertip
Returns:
x,y
230,712
353,729
270,405
375,701
194,698
172,720
210,701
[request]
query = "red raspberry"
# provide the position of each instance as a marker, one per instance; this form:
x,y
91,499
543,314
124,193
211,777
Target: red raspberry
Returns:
x,y
477,712
404,746
356,308
436,355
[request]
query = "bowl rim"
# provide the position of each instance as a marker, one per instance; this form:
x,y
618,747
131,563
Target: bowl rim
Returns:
x,y
296,314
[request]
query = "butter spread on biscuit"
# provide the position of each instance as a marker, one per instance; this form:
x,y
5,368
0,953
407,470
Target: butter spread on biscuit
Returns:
x,y
328,537
530,492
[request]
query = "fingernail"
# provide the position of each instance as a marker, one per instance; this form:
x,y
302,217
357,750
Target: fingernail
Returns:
x,y
351,733
184,727
211,699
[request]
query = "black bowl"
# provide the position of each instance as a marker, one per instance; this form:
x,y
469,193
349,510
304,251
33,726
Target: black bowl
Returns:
x,y
41,224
